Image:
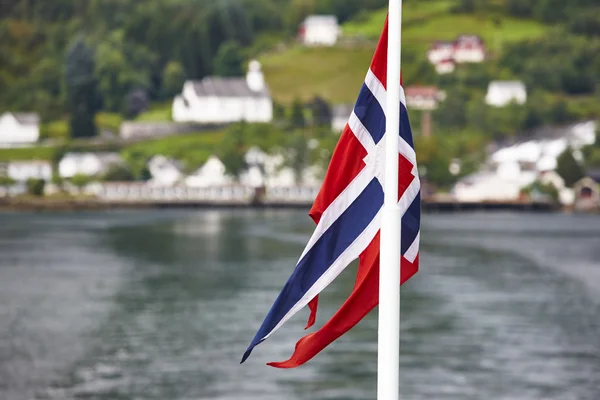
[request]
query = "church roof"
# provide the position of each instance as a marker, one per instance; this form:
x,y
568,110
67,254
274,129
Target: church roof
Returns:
x,y
26,118
226,87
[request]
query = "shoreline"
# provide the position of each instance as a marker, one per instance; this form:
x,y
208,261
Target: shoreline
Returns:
x,y
77,205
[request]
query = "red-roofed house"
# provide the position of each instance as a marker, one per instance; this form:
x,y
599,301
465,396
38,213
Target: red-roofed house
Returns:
x,y
469,49
423,97
465,49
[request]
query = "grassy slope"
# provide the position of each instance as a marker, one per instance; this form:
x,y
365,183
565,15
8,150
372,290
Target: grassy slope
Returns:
x,y
191,149
336,73
332,73
157,112
427,21
27,153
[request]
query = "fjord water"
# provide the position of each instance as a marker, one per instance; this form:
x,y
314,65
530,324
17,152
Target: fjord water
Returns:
x,y
162,304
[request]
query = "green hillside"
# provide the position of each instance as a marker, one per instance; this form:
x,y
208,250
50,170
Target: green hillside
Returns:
x,y
428,21
332,73
336,73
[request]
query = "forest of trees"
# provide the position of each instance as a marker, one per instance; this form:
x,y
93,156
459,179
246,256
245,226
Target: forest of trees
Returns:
x,y
75,58
128,45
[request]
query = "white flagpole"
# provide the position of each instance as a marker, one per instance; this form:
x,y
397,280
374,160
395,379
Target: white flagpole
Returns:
x,y
388,348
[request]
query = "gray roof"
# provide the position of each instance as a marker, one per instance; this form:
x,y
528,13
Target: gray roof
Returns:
x,y
226,87
594,174
26,118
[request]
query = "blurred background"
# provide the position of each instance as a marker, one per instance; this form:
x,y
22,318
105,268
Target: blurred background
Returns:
x,y
158,159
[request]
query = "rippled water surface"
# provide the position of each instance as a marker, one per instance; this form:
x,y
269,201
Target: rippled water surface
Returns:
x,y
161,305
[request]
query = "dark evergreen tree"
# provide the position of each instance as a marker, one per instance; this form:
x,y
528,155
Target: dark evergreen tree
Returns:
x,y
297,118
568,167
321,111
83,99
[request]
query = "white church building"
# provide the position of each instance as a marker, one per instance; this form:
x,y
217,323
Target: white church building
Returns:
x,y
218,100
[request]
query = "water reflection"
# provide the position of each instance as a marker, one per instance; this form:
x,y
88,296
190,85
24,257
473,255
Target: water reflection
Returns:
x,y
161,305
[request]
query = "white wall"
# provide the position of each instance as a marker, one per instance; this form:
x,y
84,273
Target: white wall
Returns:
x,y
223,110
80,164
445,68
475,55
500,96
421,103
325,34
11,132
440,53
22,171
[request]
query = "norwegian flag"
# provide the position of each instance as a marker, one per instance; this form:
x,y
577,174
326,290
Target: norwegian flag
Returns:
x,y
347,212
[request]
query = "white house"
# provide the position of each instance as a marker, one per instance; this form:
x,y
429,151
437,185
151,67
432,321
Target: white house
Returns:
x,y
502,185
212,173
218,100
540,154
164,171
440,51
319,30
465,49
340,114
252,177
469,49
423,97
21,171
446,66
89,164
19,129
502,93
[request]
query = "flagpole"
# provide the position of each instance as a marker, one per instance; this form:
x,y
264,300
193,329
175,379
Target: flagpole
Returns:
x,y
388,355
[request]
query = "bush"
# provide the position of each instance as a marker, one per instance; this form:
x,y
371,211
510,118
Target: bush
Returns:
x,y
35,187
6,181
538,187
80,180
55,130
118,173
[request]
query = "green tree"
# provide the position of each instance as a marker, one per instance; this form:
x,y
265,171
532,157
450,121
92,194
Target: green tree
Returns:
x,y
520,8
229,60
297,118
35,187
173,77
320,111
80,180
568,167
451,112
232,148
6,181
120,68
81,88
117,173
551,10
586,22
297,154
